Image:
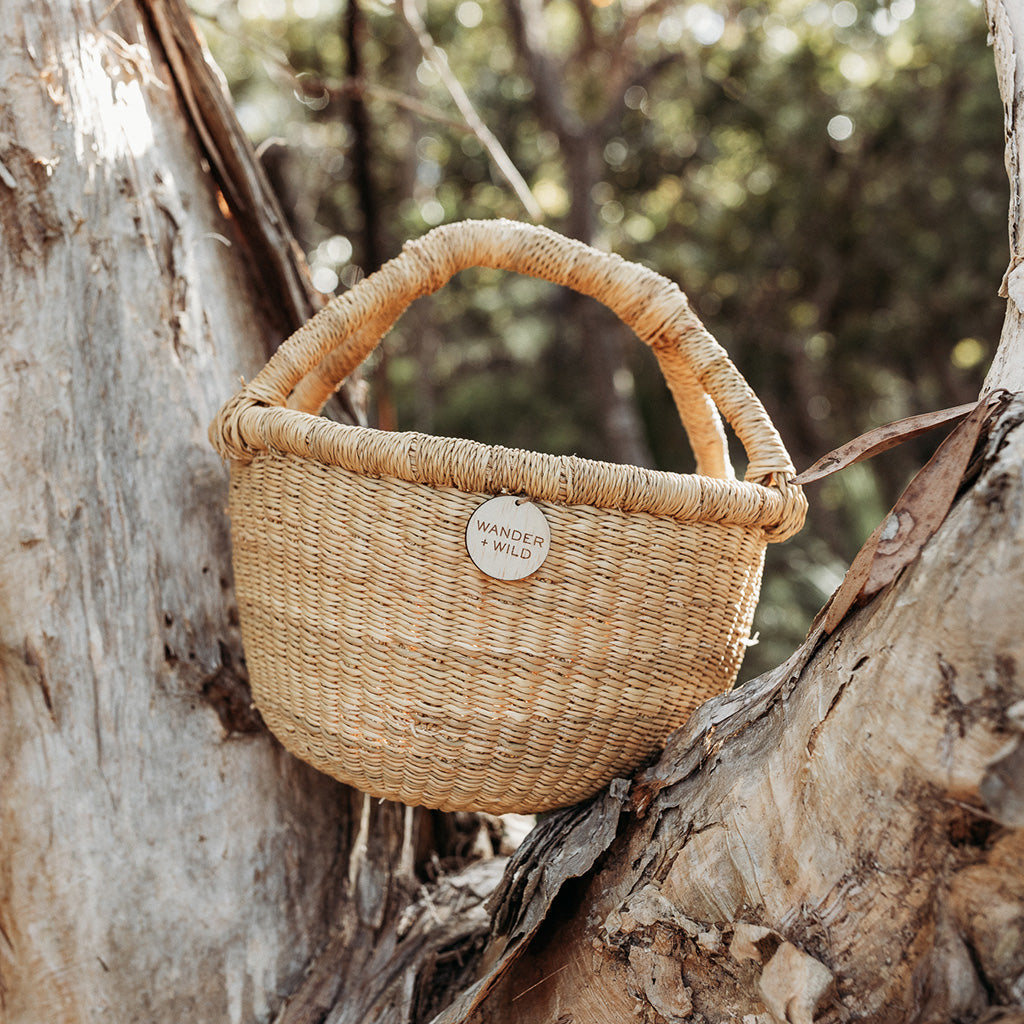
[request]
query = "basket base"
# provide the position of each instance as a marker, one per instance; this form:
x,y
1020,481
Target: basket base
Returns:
x,y
508,778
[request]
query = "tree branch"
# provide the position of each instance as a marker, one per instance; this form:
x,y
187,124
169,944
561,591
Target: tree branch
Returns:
x,y
626,70
1006,28
640,74
246,190
458,94
288,295
526,21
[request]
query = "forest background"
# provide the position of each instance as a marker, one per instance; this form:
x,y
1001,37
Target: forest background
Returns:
x,y
788,163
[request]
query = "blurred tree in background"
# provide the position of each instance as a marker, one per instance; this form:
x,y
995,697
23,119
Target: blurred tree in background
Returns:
x,y
824,179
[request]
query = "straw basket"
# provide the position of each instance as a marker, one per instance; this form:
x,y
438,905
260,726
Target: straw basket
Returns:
x,y
381,654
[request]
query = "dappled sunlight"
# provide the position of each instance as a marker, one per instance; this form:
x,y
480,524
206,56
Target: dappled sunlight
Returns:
x,y
103,79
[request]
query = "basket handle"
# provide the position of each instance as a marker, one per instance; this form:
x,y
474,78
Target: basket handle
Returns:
x,y
313,362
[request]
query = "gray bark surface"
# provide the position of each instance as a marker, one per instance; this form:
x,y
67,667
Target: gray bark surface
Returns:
x,y
160,856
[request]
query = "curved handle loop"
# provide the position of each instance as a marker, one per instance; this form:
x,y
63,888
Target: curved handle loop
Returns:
x,y
314,361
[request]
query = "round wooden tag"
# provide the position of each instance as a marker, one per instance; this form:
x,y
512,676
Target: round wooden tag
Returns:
x,y
508,537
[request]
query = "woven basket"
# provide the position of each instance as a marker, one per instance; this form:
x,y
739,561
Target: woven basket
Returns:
x,y
379,652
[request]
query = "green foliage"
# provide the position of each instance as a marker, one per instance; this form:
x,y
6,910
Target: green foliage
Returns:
x,y
825,180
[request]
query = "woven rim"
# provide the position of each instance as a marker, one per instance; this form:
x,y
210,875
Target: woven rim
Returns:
x,y
275,412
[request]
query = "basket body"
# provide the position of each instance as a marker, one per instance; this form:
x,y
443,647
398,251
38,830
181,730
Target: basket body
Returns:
x,y
379,653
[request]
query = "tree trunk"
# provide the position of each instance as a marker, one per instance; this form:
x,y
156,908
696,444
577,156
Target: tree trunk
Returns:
x,y
161,857
841,839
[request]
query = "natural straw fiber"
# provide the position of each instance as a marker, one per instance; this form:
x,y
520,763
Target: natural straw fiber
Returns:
x,y
380,654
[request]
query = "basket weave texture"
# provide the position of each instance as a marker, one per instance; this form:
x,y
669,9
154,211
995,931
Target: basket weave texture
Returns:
x,y
381,655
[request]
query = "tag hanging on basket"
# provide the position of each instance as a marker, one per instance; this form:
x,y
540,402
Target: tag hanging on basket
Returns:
x,y
508,538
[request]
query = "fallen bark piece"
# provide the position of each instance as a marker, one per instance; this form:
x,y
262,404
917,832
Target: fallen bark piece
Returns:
x,y
793,985
753,942
650,907
987,900
660,981
1002,788
920,511
881,439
